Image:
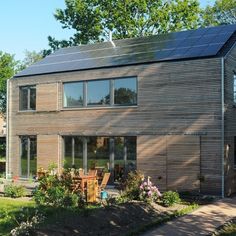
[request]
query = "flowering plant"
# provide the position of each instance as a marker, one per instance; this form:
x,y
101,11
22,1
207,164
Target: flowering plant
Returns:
x,y
148,191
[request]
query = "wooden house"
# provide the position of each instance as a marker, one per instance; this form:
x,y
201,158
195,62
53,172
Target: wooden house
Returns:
x,y
164,104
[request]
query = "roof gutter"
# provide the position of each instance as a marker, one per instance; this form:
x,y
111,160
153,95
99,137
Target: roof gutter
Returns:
x,y
222,128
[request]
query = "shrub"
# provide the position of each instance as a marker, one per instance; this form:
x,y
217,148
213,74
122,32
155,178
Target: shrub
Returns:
x,y
132,185
14,191
170,198
149,192
27,222
55,191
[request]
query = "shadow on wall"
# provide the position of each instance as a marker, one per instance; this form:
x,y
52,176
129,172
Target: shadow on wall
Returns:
x,y
172,100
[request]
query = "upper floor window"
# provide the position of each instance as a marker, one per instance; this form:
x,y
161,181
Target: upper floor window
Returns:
x,y
125,91
73,94
98,92
28,98
109,92
234,88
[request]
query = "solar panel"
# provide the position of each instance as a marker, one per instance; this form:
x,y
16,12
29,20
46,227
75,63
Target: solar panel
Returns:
x,y
203,42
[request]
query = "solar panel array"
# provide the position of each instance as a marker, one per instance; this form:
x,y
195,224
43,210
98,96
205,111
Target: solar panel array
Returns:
x,y
203,42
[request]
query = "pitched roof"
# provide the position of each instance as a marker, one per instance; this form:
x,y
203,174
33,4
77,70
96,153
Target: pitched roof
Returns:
x,y
203,42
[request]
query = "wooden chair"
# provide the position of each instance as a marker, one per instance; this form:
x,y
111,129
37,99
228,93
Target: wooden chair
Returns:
x,y
81,172
92,172
103,185
76,185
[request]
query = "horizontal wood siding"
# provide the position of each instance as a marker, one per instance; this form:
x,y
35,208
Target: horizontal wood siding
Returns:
x,y
230,123
152,153
46,155
47,97
173,161
183,163
174,98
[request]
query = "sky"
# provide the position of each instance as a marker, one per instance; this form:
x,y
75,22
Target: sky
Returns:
x,y
26,24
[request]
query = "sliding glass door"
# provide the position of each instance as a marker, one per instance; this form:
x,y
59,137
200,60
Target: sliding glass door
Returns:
x,y
114,154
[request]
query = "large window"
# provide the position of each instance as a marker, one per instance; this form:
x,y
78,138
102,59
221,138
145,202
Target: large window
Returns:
x,y
234,88
28,164
28,98
109,92
125,91
115,154
98,152
73,94
73,152
98,92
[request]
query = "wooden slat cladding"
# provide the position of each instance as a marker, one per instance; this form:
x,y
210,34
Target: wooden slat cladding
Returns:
x,y
183,163
230,123
47,150
181,97
47,97
151,153
173,161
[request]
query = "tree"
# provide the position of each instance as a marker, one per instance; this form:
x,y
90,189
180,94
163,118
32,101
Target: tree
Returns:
x,y
30,58
93,19
221,13
7,70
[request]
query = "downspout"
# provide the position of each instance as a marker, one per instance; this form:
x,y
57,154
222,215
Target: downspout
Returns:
x,y
7,133
222,127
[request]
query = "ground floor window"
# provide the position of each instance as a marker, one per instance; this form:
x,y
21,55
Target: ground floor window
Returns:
x,y
114,154
28,155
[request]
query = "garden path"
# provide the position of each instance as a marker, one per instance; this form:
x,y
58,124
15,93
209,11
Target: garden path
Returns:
x,y
202,221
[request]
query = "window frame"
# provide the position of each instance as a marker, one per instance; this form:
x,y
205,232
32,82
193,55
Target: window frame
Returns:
x,y
28,88
111,147
111,93
63,93
28,137
86,93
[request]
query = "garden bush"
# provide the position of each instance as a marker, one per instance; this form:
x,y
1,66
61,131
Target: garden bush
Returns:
x,y
55,191
170,198
149,192
138,188
14,191
132,185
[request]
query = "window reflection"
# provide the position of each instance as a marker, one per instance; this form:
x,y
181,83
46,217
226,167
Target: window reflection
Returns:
x,y
98,92
28,156
28,98
73,94
98,152
125,91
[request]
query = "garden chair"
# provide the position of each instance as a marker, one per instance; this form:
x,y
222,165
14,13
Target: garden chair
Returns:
x,y
75,185
92,172
103,185
81,172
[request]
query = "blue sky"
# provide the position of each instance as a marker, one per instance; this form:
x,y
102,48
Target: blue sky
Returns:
x,y
26,24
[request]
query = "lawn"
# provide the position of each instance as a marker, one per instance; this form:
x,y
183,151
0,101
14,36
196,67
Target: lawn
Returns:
x,y
229,229
118,219
9,210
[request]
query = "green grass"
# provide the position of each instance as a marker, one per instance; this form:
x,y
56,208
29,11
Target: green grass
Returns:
x,y
228,230
9,209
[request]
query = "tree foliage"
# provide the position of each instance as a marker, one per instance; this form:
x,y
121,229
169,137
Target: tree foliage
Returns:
x,y
7,70
93,19
222,12
30,58
9,67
